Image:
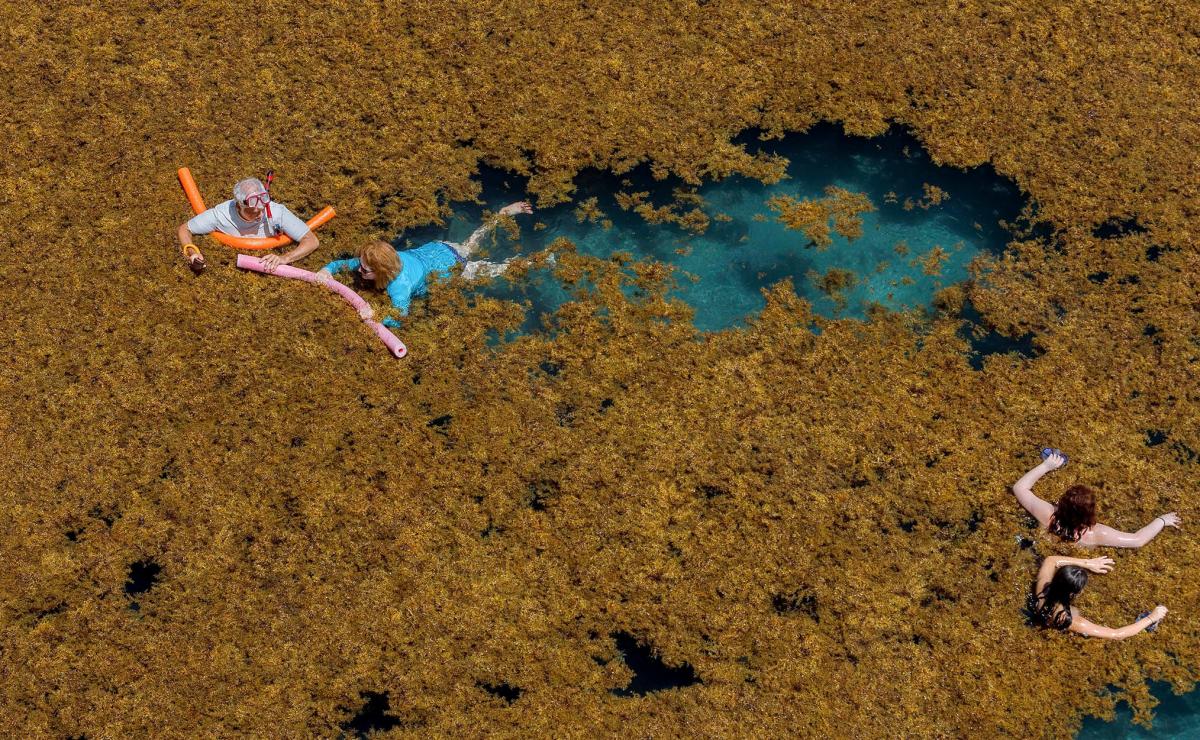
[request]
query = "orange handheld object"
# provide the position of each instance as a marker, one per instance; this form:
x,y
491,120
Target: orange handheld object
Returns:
x,y
243,242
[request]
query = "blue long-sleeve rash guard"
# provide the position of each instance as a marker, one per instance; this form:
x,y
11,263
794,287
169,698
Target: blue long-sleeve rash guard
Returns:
x,y
416,265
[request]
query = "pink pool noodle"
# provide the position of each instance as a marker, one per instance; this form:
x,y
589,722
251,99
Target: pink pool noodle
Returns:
x,y
394,345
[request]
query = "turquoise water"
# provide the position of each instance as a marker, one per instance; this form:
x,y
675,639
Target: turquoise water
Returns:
x,y
734,259
745,248
1176,718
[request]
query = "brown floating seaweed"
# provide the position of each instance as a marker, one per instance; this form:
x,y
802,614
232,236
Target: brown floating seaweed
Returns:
x,y
818,524
812,216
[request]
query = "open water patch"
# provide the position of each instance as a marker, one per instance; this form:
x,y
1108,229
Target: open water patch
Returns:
x,y
373,716
728,242
142,577
1175,718
650,673
986,341
503,691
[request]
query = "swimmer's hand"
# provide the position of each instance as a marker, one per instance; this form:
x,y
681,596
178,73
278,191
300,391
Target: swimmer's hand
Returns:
x,y
1054,461
1159,612
272,261
324,276
512,209
366,313
1098,565
1170,519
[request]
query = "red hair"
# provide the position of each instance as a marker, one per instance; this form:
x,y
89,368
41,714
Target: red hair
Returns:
x,y
1075,513
381,259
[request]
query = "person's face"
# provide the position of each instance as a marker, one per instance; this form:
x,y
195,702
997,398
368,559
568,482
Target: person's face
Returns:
x,y
252,208
365,272
249,213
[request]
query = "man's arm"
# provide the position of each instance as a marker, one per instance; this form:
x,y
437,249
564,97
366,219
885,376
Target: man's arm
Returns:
x,y
306,240
185,236
198,225
306,246
203,223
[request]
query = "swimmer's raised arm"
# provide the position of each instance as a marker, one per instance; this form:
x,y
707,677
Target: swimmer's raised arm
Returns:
x,y
1101,535
1054,562
1041,510
1082,626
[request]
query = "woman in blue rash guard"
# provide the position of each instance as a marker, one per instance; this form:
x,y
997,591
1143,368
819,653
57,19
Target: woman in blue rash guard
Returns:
x,y
403,274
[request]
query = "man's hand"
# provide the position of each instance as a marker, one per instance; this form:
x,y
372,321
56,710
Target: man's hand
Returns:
x,y
272,261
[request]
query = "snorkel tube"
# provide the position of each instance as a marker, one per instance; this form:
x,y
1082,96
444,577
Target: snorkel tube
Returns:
x,y
394,345
267,205
243,242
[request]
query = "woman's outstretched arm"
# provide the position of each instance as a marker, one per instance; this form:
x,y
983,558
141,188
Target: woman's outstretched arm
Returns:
x,y
1053,562
1104,536
1089,629
1041,510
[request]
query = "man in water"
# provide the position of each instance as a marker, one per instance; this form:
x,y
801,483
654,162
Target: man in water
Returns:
x,y
251,213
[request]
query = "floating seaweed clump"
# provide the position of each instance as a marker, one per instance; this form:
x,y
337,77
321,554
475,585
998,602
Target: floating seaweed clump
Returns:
x,y
812,216
816,524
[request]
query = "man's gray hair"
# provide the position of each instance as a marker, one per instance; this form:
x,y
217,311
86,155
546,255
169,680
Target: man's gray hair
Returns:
x,y
245,188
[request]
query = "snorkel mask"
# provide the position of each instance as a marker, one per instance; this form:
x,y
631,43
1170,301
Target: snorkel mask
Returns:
x,y
262,199
259,200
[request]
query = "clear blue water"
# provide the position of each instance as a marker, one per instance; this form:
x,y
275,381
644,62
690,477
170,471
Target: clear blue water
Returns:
x,y
736,258
1175,718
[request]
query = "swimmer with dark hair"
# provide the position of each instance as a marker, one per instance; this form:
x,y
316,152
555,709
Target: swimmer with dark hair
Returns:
x,y
1074,518
1059,581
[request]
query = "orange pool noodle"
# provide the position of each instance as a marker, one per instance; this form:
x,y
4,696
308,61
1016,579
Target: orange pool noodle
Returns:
x,y
243,242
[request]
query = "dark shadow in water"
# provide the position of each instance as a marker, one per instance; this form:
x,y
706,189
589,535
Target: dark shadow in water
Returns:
x,y
796,602
993,342
649,672
1115,228
507,692
1154,251
142,577
373,715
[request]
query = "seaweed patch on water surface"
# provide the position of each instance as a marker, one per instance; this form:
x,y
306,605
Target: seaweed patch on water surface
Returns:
x,y
729,467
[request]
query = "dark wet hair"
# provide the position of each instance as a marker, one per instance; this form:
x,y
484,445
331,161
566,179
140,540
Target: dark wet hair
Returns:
x,y
1052,607
1075,513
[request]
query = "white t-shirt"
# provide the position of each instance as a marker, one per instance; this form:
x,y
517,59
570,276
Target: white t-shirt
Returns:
x,y
224,218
